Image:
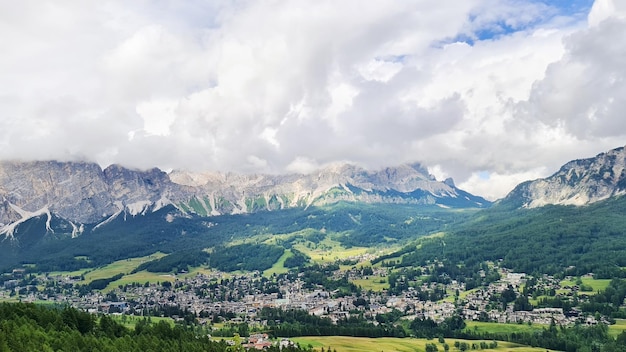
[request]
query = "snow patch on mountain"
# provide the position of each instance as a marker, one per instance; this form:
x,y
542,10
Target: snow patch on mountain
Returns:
x,y
9,230
138,208
83,193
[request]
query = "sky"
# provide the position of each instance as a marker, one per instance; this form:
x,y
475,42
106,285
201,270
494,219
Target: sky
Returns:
x,y
488,92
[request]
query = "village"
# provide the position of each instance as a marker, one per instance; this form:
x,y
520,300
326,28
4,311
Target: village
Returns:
x,y
234,299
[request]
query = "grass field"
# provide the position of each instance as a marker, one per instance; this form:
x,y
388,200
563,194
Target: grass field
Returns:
x,y
388,344
146,276
129,321
124,266
479,326
141,278
596,285
199,270
373,283
618,327
328,250
279,266
121,266
70,273
462,295
389,260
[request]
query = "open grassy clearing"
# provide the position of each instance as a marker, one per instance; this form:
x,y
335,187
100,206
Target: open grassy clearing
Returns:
x,y
277,239
70,273
16,299
373,283
596,285
507,328
124,266
141,277
462,294
129,321
7,299
390,260
328,250
198,270
279,266
359,344
535,302
435,235
618,327
145,276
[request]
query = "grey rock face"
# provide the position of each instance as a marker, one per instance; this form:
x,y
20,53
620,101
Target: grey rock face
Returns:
x,y
579,182
76,191
83,193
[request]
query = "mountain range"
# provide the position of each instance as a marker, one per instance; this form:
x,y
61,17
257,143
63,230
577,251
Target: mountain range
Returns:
x,y
55,213
83,193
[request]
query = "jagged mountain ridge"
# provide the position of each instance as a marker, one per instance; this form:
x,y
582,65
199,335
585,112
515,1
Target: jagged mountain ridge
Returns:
x,y
578,182
84,193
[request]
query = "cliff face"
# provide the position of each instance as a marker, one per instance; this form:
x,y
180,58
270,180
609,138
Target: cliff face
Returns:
x,y
83,193
76,191
579,182
409,184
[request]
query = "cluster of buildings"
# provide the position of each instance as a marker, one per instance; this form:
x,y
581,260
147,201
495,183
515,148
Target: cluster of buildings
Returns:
x,y
240,298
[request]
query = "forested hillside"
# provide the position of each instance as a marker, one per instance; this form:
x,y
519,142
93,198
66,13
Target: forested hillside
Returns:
x,y
166,230
550,239
27,327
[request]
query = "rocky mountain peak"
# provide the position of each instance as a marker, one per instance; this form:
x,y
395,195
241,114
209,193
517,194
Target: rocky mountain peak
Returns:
x,y
578,182
83,193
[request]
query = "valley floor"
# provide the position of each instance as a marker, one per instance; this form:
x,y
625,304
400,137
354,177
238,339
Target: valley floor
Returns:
x,y
396,302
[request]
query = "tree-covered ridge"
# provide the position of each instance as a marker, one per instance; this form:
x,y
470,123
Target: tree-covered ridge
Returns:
x,y
167,231
245,257
551,239
28,327
298,259
175,262
291,323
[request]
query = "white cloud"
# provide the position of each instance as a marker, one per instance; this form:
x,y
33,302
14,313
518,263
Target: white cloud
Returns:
x,y
604,9
493,185
583,92
303,165
158,116
512,88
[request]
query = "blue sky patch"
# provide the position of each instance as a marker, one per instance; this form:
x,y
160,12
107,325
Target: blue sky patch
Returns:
x,y
505,24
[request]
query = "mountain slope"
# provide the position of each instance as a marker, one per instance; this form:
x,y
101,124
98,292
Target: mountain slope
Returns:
x,y
572,222
406,184
549,239
579,182
168,230
83,193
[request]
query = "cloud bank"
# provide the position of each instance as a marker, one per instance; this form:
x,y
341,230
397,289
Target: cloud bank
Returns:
x,y
490,92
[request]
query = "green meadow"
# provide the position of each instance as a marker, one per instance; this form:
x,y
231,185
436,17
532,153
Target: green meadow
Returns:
x,y
129,321
372,283
387,344
141,277
507,328
618,327
279,266
595,284
124,266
